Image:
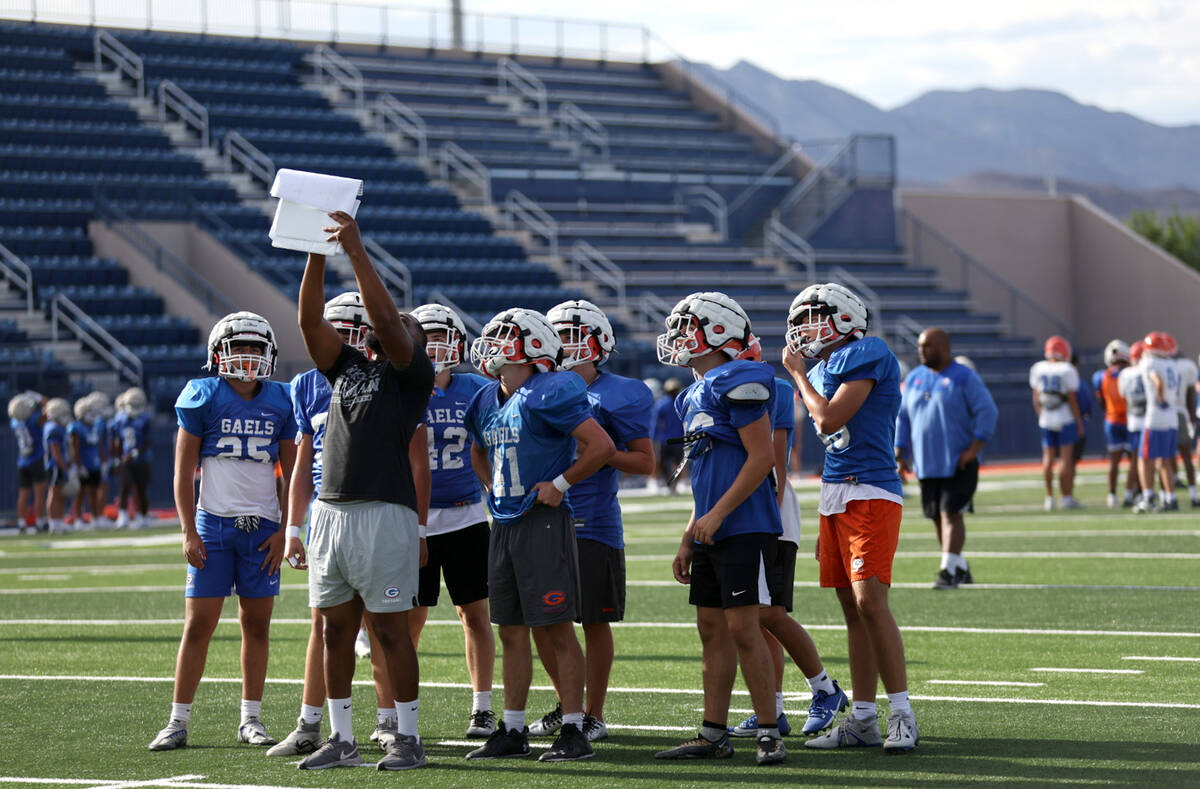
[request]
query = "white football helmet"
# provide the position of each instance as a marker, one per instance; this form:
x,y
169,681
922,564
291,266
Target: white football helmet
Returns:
x,y
445,354
21,407
85,409
239,328
132,402
589,333
826,314
517,336
58,410
1116,351
347,314
700,324
104,406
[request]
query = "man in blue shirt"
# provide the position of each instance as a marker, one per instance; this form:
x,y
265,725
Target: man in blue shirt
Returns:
x,y
25,419
946,416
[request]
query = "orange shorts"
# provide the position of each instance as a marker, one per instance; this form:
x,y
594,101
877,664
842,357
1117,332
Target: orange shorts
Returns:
x,y
860,542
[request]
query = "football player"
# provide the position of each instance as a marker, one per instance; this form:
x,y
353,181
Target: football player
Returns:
x,y
525,425
132,428
57,413
853,399
25,419
235,426
1185,401
1116,434
86,435
728,550
1160,439
1054,382
622,406
1133,391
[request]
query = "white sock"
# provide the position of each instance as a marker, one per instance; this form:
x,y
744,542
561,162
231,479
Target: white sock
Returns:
x,y
311,714
406,717
862,710
778,705
385,714
899,702
181,712
820,682
947,562
958,562
514,720
573,717
341,719
1192,492
482,700
251,709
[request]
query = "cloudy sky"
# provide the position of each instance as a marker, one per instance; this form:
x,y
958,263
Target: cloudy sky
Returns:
x,y
1140,56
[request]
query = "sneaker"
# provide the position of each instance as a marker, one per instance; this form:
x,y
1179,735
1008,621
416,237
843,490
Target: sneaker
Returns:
x,y
699,748
902,731
1071,503
823,709
1141,507
850,733
170,738
1048,504
252,732
1111,501
549,723
385,733
1127,501
944,579
770,750
1195,503
503,743
334,752
963,576
569,746
305,738
406,753
594,728
1171,506
362,644
482,725
750,727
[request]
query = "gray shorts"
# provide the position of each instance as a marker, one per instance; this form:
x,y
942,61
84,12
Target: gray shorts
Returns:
x,y
533,569
368,548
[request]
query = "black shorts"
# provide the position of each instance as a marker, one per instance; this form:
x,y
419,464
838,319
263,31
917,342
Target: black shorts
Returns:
x,y
784,571
135,473
462,556
533,569
733,572
601,582
32,475
55,476
1080,448
89,477
949,494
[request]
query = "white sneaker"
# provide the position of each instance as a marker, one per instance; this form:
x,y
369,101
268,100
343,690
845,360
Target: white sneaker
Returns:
x,y
385,733
1112,501
305,738
903,734
1071,503
172,737
252,732
362,644
1048,505
850,733
122,520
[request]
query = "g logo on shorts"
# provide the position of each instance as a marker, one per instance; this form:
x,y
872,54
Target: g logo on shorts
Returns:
x,y
554,598
857,564
392,592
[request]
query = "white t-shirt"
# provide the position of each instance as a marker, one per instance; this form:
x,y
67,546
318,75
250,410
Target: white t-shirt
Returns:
x,y
1160,414
1129,384
1188,375
230,487
444,520
1053,381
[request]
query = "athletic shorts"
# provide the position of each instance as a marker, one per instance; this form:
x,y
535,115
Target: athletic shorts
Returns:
x,y
783,583
1064,437
367,548
462,557
949,494
232,563
733,572
135,473
601,582
28,476
1116,436
1158,444
55,476
1079,447
533,569
89,477
860,542
1135,442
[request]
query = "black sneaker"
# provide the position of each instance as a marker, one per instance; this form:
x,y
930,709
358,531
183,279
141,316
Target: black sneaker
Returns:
x,y
548,723
699,748
945,580
570,746
770,750
504,743
963,576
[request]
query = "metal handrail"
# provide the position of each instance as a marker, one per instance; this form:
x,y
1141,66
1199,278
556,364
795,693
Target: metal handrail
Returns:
x,y
512,74
237,148
347,75
436,296
105,45
809,182
866,293
230,237
123,361
650,312
575,125
586,258
392,271
189,111
906,329
454,159
520,211
17,272
387,109
779,240
773,169
711,201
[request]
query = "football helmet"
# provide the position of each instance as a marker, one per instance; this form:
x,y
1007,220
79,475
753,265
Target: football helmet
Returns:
x,y
1116,351
589,333
104,406
1057,349
700,324
239,328
1160,344
445,354
517,336
1135,352
132,401
85,409
753,351
347,314
58,410
21,407
827,313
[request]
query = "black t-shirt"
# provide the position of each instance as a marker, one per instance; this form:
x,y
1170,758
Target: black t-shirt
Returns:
x,y
373,412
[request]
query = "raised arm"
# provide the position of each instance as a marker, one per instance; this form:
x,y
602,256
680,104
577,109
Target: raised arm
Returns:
x,y
320,338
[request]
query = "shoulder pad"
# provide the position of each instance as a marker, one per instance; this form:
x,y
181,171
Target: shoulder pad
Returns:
x,y
752,392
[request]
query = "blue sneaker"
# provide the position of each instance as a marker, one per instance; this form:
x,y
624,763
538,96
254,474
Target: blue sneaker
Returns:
x,y
824,708
749,727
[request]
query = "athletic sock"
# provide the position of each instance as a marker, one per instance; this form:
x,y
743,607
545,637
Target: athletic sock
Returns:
x,y
311,714
958,562
778,705
712,731
863,710
181,712
514,720
573,717
386,714
251,709
770,731
820,682
899,702
341,719
1192,492
482,700
947,562
406,717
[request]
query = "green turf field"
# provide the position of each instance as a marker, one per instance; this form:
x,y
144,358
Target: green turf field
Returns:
x,y
90,623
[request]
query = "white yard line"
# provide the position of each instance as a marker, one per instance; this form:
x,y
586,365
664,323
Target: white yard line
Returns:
x,y
998,683
666,558
1089,670
1163,658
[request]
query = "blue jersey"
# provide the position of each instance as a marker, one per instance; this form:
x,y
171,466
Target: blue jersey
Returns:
x,y
29,440
53,435
713,409
863,449
133,434
784,415
89,443
666,420
940,415
310,409
230,426
454,482
622,406
528,437
1085,400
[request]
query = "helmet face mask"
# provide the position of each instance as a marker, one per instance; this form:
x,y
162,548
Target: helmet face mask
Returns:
x,y
683,341
1116,351
242,347
517,336
445,335
822,315
585,331
700,324
348,315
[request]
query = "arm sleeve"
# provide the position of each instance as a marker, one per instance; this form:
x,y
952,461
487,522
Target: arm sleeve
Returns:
x,y
982,408
863,360
747,391
300,407
630,420
189,408
563,403
784,417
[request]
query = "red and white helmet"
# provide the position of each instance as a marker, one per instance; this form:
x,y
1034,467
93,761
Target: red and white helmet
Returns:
x,y
700,324
1160,344
1135,352
347,314
1116,351
821,315
445,354
589,334
753,351
1057,349
517,336
241,328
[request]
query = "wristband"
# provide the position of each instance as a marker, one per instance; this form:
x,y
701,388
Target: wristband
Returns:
x,y
560,483
422,530
293,531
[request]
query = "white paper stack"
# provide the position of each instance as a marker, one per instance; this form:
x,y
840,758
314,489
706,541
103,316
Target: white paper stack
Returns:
x,y
305,202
